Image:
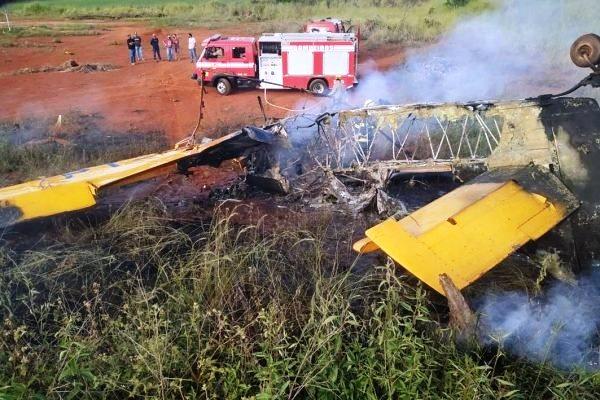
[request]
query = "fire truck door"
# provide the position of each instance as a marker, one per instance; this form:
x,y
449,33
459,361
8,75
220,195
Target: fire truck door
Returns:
x,y
213,61
270,70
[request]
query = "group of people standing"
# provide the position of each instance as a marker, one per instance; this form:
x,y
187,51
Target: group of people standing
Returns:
x,y
171,45
134,44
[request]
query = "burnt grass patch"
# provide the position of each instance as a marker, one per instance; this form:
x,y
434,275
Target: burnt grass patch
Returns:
x,y
44,147
68,66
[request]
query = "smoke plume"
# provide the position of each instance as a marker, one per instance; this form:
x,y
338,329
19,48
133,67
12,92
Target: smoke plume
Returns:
x,y
560,327
519,49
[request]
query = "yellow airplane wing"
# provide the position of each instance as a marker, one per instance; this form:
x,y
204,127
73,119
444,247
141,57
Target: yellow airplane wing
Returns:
x,y
473,228
79,189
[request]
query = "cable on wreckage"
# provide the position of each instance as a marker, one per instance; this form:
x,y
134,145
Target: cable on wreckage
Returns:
x,y
288,109
191,140
318,120
200,109
592,80
310,117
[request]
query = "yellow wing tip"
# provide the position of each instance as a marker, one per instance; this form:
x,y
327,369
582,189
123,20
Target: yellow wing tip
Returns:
x,y
365,245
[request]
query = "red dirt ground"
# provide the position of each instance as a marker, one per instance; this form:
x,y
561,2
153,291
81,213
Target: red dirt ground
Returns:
x,y
147,96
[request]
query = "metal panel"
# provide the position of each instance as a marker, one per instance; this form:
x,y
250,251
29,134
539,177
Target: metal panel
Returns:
x,y
336,63
300,62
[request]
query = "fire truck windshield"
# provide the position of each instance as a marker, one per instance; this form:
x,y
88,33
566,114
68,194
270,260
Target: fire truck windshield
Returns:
x,y
270,48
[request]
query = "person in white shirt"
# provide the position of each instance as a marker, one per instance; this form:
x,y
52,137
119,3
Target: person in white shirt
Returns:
x,y
192,48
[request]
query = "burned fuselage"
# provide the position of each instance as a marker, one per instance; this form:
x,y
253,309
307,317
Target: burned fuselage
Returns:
x,y
356,158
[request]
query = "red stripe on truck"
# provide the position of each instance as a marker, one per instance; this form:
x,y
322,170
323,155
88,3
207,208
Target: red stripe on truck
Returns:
x,y
284,62
318,63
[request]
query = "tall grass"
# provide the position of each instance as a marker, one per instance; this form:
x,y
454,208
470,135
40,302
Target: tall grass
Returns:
x,y
144,306
388,20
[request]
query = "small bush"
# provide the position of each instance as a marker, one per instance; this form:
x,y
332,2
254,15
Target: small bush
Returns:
x,y
36,9
457,3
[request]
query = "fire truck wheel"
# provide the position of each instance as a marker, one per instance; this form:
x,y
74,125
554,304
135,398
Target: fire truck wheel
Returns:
x,y
585,51
318,86
223,86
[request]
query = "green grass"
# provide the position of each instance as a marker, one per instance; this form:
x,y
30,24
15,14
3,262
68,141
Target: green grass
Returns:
x,y
149,307
383,20
10,38
72,29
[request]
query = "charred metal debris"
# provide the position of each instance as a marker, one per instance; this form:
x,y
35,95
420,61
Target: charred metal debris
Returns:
x,y
393,159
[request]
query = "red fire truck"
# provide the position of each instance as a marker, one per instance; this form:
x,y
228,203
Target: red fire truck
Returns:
x,y
311,61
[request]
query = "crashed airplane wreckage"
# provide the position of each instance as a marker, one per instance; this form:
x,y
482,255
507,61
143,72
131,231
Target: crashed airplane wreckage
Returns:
x,y
527,166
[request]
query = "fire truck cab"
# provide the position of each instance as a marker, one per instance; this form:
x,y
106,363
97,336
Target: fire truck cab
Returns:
x,y
311,61
223,57
331,25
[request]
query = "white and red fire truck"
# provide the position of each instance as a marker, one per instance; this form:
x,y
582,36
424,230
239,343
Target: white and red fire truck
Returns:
x,y
312,61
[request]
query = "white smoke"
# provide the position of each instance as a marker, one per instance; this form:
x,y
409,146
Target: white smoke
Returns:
x,y
560,327
519,49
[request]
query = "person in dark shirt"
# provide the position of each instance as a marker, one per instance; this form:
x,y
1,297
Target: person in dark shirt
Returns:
x,y
155,48
138,46
131,47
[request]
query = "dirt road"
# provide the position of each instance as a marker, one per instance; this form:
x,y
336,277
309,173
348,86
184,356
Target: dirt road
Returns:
x,y
147,96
